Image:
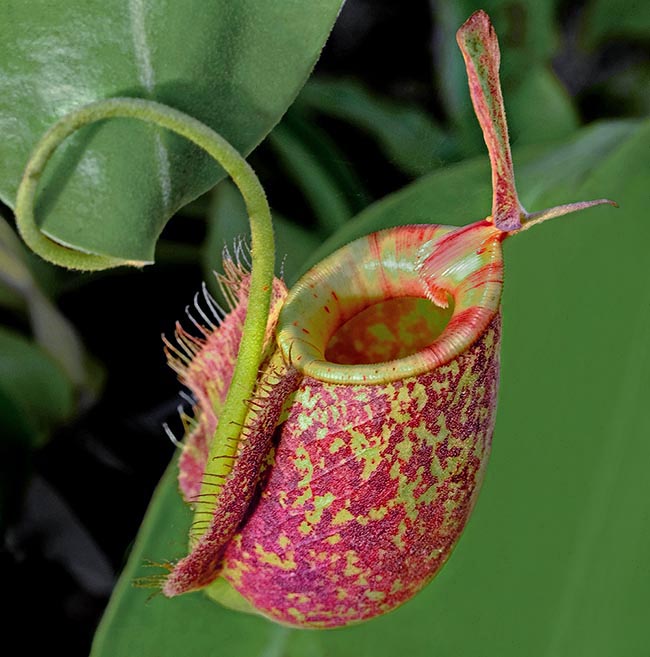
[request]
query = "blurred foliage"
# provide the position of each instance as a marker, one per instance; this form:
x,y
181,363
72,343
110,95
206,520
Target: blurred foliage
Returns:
x,y
51,330
623,19
43,381
408,136
553,562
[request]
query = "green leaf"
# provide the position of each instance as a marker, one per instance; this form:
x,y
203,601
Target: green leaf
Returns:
x,y
35,383
409,136
554,559
111,188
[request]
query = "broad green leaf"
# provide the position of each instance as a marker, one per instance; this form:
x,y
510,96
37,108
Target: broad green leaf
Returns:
x,y
35,383
111,188
409,137
553,562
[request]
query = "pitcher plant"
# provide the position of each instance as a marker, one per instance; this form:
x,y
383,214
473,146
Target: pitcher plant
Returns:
x,y
341,430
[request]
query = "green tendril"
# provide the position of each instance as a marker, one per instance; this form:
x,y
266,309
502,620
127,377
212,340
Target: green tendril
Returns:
x,y
244,377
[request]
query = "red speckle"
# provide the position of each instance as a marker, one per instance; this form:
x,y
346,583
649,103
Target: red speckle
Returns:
x,y
383,545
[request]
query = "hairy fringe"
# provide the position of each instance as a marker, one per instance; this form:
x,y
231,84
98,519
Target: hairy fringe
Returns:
x,y
181,351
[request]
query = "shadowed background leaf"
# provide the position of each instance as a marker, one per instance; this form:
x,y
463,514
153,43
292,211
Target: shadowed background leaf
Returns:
x,y
407,135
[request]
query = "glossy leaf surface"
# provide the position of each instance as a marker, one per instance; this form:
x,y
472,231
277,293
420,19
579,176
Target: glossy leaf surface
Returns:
x,y
111,188
554,560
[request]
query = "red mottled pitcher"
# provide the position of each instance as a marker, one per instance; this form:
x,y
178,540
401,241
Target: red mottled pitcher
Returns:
x,y
366,443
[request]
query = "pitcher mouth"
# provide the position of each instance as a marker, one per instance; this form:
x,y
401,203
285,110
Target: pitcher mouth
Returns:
x,y
365,315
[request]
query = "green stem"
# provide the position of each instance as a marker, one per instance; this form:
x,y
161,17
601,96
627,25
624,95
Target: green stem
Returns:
x,y
234,410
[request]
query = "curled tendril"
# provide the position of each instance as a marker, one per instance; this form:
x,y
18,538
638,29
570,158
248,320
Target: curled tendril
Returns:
x,y
249,356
